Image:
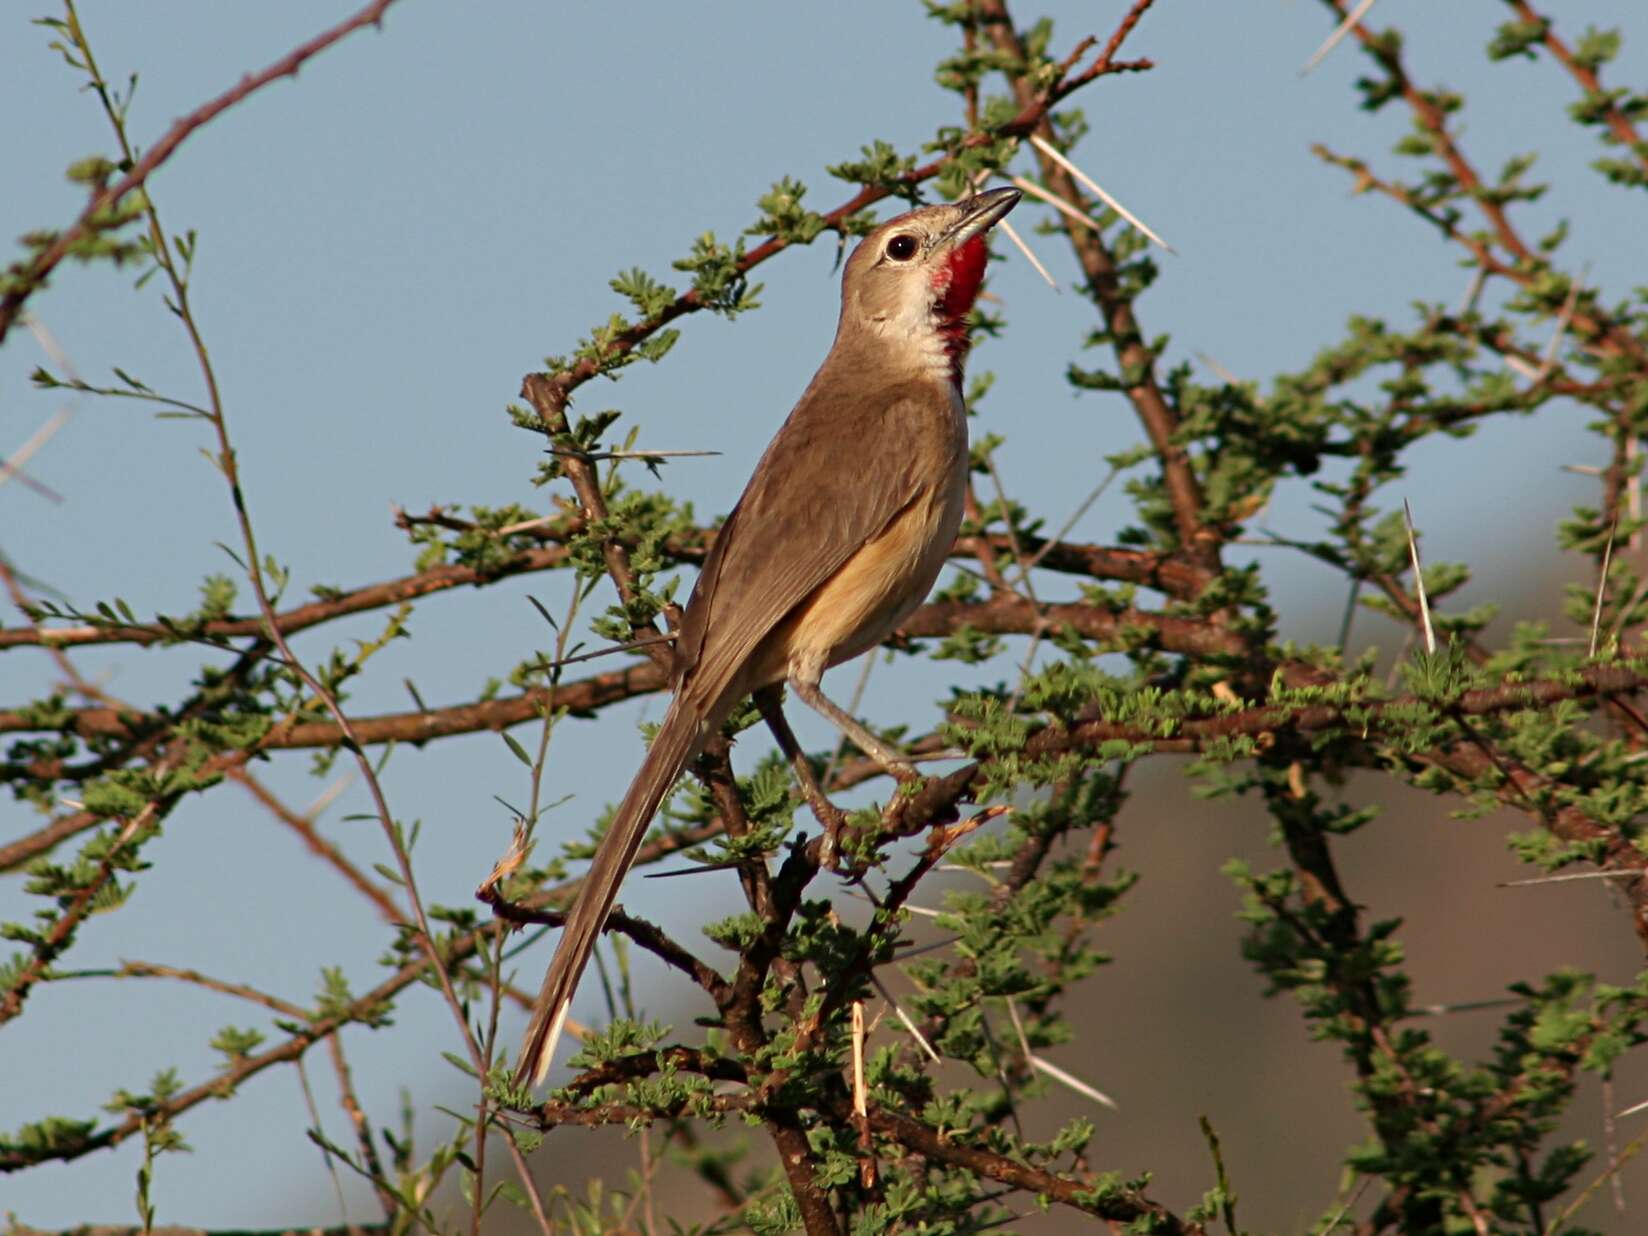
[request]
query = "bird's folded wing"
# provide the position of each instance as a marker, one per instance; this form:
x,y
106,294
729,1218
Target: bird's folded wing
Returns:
x,y
831,480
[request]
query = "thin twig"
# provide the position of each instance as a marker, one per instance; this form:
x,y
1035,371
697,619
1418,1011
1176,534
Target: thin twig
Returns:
x,y
598,456
288,65
227,462
1630,1152
325,1150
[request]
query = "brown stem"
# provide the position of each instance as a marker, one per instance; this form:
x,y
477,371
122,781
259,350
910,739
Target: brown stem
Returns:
x,y
304,827
1122,1205
1586,77
368,1007
796,1158
1525,264
1133,355
33,277
1153,570
347,1099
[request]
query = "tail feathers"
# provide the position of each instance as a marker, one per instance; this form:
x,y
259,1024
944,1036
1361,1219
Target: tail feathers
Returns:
x,y
679,739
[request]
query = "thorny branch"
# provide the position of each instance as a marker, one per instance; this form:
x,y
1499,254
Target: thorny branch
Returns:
x,y
1133,356
34,274
1619,124
779,1004
1135,566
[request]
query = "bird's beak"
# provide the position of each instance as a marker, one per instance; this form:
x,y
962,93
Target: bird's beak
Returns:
x,y
979,213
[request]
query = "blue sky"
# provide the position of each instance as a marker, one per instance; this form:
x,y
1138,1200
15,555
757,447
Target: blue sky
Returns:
x,y
390,242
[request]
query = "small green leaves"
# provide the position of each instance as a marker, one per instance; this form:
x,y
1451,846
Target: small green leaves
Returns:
x,y
1596,48
881,167
784,218
335,997
515,748
718,277
1518,38
236,1044
649,297
94,170
51,1138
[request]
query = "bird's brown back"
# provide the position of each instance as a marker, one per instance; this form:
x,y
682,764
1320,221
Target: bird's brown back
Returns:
x,y
841,471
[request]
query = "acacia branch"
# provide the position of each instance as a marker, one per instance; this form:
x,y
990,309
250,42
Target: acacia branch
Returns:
x,y
1001,615
291,621
556,389
1526,264
241,991
1586,78
33,276
1167,574
1430,115
538,390
1187,736
74,908
1120,1204
368,1009
1366,720
646,935
1133,355
1526,790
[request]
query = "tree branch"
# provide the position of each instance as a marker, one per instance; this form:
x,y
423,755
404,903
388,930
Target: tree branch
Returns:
x,y
33,276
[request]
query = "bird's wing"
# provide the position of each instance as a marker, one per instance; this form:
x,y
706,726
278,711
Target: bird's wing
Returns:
x,y
834,476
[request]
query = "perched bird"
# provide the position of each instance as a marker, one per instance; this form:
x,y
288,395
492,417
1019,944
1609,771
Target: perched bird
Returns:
x,y
838,537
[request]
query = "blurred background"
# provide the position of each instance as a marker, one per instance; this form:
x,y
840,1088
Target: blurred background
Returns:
x,y
390,242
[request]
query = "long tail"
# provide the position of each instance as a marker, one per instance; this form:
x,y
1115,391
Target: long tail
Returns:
x,y
679,739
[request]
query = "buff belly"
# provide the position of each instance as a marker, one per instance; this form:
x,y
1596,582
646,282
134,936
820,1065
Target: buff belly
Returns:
x,y
873,591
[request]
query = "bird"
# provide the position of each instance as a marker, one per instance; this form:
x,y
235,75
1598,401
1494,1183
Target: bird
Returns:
x,y
840,533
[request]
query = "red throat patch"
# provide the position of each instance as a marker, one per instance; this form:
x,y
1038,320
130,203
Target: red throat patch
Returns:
x,y
957,283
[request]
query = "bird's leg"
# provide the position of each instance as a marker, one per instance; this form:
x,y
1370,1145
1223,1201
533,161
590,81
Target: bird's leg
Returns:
x,y
829,816
888,757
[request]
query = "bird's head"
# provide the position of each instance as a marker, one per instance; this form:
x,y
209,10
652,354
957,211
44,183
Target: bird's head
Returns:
x,y
911,283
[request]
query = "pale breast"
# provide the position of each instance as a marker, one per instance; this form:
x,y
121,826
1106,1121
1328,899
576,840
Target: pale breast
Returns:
x,y
890,575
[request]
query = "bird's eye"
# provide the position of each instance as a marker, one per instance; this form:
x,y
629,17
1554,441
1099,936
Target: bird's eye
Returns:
x,y
902,248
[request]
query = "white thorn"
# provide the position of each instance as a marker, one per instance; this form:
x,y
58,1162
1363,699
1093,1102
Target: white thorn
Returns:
x,y
1219,371
1602,590
1055,201
1053,153
904,1019
1577,875
1338,35
1419,579
1075,1083
1564,318
1054,1071
860,1092
1473,290
1012,235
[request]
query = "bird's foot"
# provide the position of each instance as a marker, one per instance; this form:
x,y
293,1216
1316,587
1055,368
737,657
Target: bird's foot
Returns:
x,y
832,819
